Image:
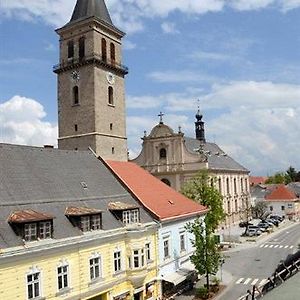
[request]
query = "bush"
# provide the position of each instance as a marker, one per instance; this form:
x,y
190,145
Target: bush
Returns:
x,y
202,293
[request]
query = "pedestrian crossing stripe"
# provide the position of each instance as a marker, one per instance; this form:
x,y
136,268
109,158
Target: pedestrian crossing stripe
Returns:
x,y
251,281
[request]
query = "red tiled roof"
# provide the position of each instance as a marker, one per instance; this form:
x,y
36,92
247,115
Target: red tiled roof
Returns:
x,y
164,202
281,193
255,180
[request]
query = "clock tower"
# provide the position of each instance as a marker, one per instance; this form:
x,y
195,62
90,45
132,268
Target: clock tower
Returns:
x,y
91,87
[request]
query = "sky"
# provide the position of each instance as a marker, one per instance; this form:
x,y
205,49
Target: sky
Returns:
x,y
239,58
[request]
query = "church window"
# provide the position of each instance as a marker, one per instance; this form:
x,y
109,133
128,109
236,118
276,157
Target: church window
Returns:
x,y
246,184
166,181
111,126
76,127
70,49
163,153
75,95
112,53
220,185
110,95
227,186
236,205
228,207
81,47
113,150
234,185
103,50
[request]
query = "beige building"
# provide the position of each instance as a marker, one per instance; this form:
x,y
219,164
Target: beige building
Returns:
x,y
91,87
175,158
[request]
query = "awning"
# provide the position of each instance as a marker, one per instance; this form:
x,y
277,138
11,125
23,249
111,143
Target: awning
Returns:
x,y
175,278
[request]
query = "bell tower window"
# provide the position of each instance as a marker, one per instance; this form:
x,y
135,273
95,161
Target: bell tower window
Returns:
x,y
110,95
70,49
81,47
163,153
75,95
166,181
103,50
112,53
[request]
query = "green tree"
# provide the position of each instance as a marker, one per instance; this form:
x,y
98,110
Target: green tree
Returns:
x,y
202,190
206,257
278,178
260,209
291,173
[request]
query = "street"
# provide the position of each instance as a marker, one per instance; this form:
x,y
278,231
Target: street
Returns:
x,y
253,265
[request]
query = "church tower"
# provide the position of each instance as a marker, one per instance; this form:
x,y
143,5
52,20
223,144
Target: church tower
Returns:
x,y
199,127
91,85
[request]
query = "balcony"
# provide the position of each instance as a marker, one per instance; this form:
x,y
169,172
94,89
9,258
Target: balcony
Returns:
x,y
72,63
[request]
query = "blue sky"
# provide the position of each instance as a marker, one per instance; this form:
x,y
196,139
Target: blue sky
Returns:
x,y
240,58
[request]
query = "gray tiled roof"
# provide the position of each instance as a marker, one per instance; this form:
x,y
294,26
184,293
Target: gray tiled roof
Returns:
x,y
91,8
217,158
49,180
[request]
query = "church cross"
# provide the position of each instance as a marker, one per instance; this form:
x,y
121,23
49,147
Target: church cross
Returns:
x,y
160,115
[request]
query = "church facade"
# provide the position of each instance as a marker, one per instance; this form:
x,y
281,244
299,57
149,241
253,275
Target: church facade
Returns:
x,y
174,159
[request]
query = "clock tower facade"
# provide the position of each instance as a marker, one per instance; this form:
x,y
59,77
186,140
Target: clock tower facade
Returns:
x,y
91,85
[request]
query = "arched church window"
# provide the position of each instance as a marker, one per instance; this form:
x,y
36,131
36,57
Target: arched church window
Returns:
x,y
227,186
110,95
81,47
103,50
112,53
75,95
162,153
166,181
70,49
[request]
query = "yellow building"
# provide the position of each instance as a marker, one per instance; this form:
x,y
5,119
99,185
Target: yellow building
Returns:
x,y
70,230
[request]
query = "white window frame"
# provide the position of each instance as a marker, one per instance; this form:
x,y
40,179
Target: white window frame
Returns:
x,y
131,216
32,229
182,238
46,227
95,222
290,205
93,266
168,241
117,261
138,255
62,265
148,251
33,271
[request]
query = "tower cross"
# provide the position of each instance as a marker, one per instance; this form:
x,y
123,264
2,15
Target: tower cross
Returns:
x,y
160,115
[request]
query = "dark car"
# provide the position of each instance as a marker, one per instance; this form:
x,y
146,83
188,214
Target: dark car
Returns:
x,y
244,224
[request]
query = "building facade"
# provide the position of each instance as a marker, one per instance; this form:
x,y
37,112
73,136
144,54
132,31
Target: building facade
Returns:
x,y
173,212
70,230
174,159
91,86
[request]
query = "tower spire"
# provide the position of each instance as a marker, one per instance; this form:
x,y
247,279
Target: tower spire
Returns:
x,y
199,126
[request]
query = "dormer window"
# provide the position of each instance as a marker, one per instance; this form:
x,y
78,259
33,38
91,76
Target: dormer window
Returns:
x,y
86,219
32,225
127,213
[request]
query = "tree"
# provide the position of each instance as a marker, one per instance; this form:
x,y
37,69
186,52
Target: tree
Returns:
x,y
292,174
202,190
206,257
260,209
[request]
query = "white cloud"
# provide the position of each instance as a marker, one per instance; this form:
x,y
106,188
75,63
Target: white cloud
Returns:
x,y
202,55
21,122
169,28
129,14
128,45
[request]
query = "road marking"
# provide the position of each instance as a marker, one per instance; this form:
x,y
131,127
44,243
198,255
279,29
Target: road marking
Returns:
x,y
286,247
261,246
239,281
254,281
291,247
247,281
266,246
280,246
271,246
276,246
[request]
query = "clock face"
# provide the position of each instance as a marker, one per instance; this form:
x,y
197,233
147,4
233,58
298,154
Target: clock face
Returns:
x,y
110,78
75,76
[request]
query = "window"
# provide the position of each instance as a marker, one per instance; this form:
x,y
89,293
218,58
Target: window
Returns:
x,y
75,95
111,126
45,230
271,208
148,251
62,277
131,216
220,185
166,248
33,285
236,205
81,47
112,53
95,222
234,185
166,181
85,223
162,153
103,50
113,150
30,232
228,207
76,127
110,95
282,207
182,241
246,184
290,205
138,258
242,185
117,261
95,268
70,49
227,186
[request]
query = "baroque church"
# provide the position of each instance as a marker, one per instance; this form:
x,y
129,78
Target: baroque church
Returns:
x,y
174,159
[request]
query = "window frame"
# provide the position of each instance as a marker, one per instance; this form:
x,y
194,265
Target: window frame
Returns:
x,y
166,246
131,216
148,251
33,284
111,101
81,48
93,267
71,52
117,261
182,241
64,275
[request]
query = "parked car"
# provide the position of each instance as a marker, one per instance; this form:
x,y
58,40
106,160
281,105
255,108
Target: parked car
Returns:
x,y
276,217
244,224
273,221
253,232
265,226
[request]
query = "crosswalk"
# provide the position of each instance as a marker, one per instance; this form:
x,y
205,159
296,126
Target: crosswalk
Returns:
x,y
251,281
272,246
